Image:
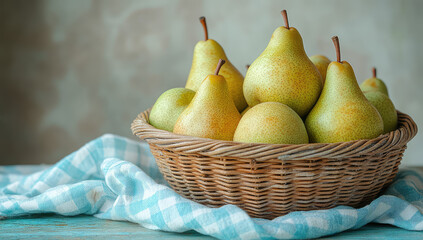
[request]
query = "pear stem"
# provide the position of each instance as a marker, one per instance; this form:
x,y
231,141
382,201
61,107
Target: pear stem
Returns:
x,y
206,33
285,18
374,72
219,65
337,48
247,66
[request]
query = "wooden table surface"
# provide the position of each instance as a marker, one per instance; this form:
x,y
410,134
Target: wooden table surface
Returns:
x,y
88,227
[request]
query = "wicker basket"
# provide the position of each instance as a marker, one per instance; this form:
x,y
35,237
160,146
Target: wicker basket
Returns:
x,y
269,180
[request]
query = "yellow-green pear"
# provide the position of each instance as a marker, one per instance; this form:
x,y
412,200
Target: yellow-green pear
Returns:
x,y
212,112
169,106
271,122
284,73
374,84
342,112
206,54
386,109
322,63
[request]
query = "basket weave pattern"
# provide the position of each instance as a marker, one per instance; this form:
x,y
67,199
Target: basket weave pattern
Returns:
x,y
270,180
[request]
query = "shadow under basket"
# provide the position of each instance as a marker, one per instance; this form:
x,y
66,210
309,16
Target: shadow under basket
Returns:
x,y
271,180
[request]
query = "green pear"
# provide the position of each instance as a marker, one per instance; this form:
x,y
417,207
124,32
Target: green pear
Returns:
x,y
271,122
206,54
322,63
212,112
374,84
386,109
342,112
169,106
284,73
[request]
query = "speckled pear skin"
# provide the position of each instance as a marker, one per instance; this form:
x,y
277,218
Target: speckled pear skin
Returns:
x,y
206,55
374,84
386,109
342,112
271,122
322,63
169,106
284,73
211,113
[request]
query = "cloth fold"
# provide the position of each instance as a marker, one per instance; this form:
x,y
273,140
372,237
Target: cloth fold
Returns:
x,y
116,178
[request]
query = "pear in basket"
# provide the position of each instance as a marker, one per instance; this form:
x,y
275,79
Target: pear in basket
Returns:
x,y
169,106
342,112
206,54
374,84
284,73
271,122
212,112
386,109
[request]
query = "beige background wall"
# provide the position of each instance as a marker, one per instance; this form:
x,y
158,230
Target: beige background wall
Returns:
x,y
73,70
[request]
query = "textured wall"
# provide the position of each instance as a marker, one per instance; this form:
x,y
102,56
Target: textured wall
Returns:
x,y
73,70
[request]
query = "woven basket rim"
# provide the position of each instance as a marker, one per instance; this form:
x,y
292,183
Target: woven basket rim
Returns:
x,y
141,128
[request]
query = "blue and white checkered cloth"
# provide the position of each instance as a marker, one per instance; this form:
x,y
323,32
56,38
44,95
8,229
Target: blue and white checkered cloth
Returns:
x,y
116,178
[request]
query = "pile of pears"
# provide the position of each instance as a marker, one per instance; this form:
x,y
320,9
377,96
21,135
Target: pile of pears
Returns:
x,y
286,97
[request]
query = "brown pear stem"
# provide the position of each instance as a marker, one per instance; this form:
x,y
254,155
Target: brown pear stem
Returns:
x,y
247,66
219,65
285,18
337,48
206,33
374,72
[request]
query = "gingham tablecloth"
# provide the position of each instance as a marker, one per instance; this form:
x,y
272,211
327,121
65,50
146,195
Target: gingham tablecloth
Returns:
x,y
117,178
